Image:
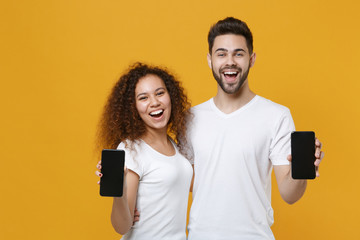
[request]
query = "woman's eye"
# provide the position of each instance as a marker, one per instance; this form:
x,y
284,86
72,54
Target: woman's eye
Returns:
x,y
142,98
160,93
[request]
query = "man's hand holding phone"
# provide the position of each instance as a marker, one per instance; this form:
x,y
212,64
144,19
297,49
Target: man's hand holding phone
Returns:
x,y
306,155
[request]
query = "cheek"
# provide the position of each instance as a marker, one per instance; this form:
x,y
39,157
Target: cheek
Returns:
x,y
140,107
170,107
167,102
244,62
216,65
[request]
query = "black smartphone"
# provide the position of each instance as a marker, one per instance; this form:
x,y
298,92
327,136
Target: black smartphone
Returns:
x,y
303,155
112,168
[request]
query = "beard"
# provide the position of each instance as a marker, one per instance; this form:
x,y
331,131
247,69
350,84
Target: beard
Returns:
x,y
234,87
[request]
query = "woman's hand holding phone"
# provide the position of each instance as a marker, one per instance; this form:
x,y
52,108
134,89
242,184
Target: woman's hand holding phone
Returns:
x,y
99,174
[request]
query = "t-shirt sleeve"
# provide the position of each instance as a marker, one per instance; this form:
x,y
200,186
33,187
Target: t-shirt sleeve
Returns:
x,y
280,146
190,153
131,162
189,147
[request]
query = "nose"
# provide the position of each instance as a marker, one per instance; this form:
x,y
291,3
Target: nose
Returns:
x,y
154,102
230,60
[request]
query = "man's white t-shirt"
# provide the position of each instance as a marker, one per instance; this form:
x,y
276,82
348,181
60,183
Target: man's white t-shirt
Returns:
x,y
162,197
233,158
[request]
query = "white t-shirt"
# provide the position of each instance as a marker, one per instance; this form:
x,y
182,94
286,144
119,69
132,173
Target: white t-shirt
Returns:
x,y
233,158
164,183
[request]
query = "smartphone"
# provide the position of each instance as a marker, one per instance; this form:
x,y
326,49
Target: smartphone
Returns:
x,y
112,168
303,155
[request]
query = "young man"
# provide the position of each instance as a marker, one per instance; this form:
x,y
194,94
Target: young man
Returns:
x,y
237,138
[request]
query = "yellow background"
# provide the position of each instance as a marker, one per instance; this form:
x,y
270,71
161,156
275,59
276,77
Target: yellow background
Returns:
x,y
59,60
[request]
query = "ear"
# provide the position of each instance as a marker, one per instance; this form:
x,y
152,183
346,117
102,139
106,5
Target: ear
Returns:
x,y
252,59
209,60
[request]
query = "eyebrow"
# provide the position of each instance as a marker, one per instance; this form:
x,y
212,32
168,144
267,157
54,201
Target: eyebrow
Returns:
x,y
144,93
225,50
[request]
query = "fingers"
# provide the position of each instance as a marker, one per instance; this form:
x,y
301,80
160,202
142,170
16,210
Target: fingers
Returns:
x,y
319,156
289,158
318,143
318,146
136,216
98,166
98,173
317,171
317,164
136,212
318,152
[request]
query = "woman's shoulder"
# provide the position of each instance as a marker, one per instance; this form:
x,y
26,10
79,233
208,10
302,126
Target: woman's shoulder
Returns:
x,y
129,144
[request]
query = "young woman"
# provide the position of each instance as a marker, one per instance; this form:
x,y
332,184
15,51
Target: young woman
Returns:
x,y
147,106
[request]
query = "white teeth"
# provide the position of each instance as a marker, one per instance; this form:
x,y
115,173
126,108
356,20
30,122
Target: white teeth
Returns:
x,y
156,112
230,72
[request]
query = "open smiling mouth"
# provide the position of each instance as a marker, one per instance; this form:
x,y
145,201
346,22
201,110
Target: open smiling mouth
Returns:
x,y
230,76
157,114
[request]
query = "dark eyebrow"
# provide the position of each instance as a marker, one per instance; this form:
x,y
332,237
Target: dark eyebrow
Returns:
x,y
239,50
225,50
221,49
160,88
144,93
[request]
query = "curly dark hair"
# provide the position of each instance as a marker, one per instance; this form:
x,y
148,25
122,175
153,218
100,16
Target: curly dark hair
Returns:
x,y
120,119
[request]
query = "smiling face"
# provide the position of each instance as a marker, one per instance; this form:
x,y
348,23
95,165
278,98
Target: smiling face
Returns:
x,y
153,102
230,62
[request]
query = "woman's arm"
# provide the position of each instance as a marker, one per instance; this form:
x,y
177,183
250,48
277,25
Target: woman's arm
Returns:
x,y
122,215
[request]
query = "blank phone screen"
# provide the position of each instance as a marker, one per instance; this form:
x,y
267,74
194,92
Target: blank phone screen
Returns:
x,y
112,168
303,155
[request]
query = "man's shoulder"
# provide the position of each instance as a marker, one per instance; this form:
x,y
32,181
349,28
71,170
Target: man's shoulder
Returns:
x,y
202,106
271,106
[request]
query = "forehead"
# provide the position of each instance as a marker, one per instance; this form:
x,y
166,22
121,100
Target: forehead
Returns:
x,y
230,42
149,83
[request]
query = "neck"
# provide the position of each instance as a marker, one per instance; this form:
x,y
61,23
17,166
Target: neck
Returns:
x,y
159,141
155,136
229,103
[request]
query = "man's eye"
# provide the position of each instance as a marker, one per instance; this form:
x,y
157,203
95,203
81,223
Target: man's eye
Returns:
x,y
221,54
239,55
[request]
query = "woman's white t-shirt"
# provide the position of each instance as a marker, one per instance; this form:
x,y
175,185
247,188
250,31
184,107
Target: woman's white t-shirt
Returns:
x,y
164,183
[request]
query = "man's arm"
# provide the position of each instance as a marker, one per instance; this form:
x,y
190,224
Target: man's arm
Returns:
x,y
291,190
